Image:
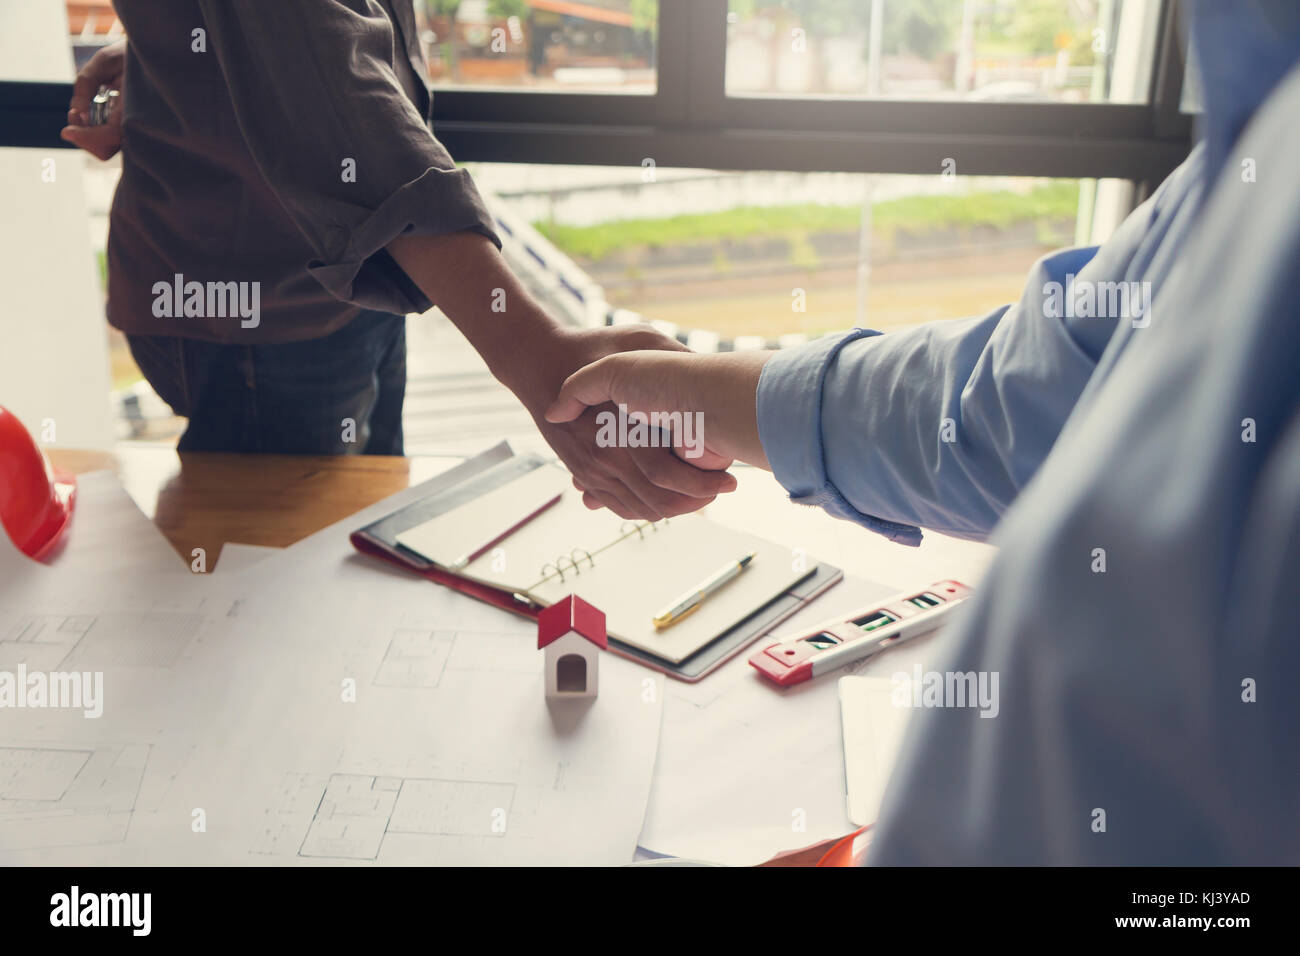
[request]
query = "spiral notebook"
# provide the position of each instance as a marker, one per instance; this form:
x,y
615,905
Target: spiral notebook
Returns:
x,y
556,546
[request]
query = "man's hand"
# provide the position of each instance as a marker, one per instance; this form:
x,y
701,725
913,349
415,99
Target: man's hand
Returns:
x,y
646,483
722,388
105,68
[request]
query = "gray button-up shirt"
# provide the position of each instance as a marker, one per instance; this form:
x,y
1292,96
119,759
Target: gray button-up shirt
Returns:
x,y
280,143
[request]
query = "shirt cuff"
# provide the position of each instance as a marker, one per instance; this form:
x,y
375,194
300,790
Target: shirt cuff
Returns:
x,y
439,202
789,407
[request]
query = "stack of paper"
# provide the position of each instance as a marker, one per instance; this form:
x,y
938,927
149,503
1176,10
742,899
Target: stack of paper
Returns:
x,y
313,705
319,708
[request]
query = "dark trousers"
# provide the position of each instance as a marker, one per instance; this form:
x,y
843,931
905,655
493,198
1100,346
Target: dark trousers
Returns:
x,y
337,395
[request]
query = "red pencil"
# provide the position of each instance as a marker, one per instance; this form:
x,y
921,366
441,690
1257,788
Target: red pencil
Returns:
x,y
475,555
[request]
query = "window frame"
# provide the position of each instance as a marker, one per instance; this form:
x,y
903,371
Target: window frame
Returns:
x,y
690,121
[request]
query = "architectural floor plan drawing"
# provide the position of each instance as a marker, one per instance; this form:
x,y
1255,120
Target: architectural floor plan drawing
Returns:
x,y
419,652
414,658
42,641
322,709
353,816
68,795
95,642
450,754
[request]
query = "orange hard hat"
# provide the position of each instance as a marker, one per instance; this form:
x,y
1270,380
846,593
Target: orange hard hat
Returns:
x,y
35,500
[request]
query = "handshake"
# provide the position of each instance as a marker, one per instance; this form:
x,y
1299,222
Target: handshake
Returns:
x,y
629,383
574,383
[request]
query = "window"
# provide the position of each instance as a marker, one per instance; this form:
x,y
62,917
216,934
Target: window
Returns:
x,y
1022,51
556,45
771,254
1061,88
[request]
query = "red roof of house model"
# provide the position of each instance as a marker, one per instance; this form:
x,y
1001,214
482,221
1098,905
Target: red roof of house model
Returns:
x,y
571,614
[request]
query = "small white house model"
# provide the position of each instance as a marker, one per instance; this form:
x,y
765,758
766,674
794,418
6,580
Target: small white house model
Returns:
x,y
572,633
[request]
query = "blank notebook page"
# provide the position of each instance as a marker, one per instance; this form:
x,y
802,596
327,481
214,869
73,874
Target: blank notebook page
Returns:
x,y
644,574
462,531
631,579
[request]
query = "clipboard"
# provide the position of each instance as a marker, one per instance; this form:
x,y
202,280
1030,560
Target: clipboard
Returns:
x,y
500,465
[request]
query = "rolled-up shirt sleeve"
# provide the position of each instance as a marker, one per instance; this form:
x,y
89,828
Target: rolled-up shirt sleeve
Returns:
x,y
791,427
934,427
353,163
941,426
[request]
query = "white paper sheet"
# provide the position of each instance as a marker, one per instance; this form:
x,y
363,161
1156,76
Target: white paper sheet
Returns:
x,y
109,533
873,729
446,752
67,776
235,559
747,769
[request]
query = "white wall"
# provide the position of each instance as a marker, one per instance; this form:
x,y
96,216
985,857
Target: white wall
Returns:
x,y
53,346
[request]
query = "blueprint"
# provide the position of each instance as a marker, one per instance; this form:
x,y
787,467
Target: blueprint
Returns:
x,y
317,707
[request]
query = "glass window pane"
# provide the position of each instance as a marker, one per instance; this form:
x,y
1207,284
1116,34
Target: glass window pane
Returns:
x,y
579,46
771,254
1072,51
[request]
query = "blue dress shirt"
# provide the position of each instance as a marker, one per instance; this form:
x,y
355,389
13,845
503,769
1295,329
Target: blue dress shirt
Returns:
x,y
1143,477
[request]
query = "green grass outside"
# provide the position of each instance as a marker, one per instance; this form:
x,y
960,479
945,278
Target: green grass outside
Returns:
x,y
916,214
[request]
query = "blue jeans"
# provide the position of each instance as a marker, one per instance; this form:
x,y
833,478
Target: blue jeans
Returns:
x,y
337,395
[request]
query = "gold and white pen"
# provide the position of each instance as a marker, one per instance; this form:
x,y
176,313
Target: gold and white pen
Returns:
x,y
691,600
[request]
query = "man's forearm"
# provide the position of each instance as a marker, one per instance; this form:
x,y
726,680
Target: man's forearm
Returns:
x,y
465,276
